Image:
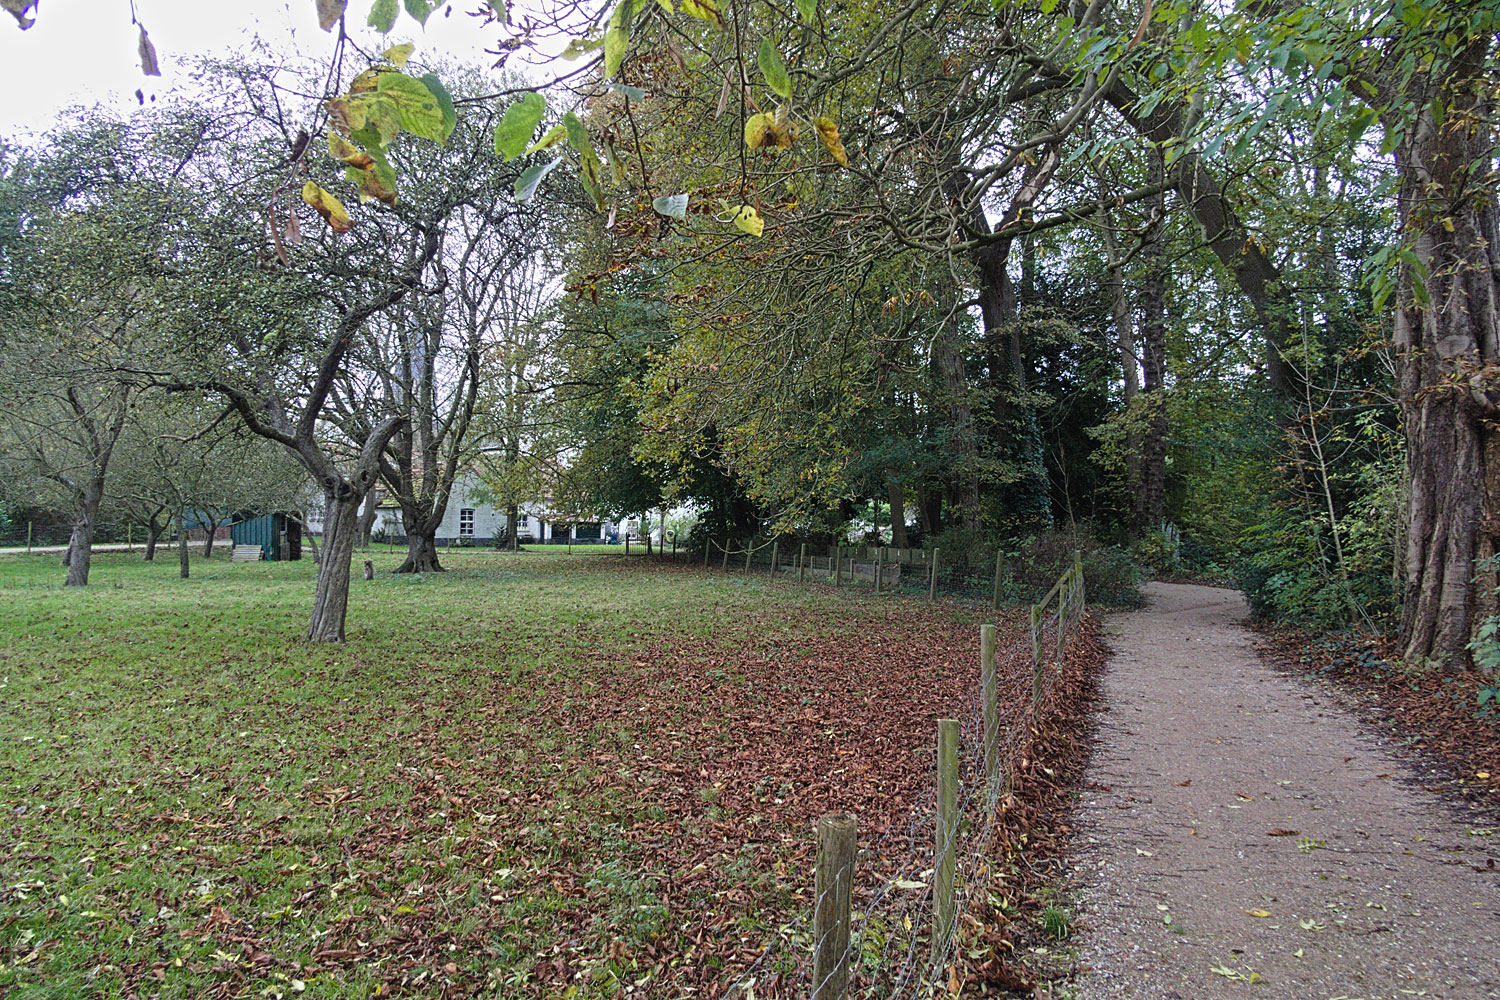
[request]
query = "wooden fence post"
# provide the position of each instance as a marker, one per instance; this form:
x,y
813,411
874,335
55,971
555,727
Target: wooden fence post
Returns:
x,y
879,555
749,551
833,897
708,544
1062,626
775,552
129,539
932,577
999,564
28,538
725,565
1036,656
943,912
990,689
838,566
802,563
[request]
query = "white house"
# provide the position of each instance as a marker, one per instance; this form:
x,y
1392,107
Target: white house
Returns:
x,y
471,520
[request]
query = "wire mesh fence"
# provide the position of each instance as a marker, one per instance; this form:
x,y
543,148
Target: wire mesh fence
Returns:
x,y
885,920
912,572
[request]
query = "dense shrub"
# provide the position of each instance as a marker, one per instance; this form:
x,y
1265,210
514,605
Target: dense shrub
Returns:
x,y
1290,572
1110,575
1029,566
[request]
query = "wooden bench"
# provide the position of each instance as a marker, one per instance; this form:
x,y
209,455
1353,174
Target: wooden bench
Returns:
x,y
245,553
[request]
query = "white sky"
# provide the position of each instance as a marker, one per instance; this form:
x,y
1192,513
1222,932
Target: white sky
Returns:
x,y
84,51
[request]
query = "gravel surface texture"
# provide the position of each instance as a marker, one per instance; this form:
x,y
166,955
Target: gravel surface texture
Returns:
x,y
1242,835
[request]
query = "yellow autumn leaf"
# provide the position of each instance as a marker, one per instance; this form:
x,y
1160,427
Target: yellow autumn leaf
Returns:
x,y
769,130
748,220
348,153
703,10
329,207
758,129
397,55
829,133
1481,774
366,82
1259,913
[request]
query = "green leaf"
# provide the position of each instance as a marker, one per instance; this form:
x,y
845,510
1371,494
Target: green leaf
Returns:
x,y
383,15
773,69
421,10
518,124
588,165
1048,6
673,206
381,120
397,55
808,9
616,39
529,181
445,103
555,135
1359,123
421,114
579,47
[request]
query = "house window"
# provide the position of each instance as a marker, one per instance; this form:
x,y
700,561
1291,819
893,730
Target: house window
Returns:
x,y
525,521
466,523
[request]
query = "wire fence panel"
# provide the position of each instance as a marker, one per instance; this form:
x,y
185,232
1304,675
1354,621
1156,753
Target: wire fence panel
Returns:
x,y
894,949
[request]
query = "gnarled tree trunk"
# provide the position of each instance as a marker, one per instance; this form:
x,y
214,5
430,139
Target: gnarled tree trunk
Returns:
x,y
1447,335
421,547
154,528
80,543
340,531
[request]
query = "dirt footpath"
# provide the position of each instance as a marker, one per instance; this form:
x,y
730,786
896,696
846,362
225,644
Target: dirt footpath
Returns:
x,y
1241,835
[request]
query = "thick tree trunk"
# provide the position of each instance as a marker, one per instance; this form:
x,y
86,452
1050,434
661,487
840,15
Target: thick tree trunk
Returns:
x,y
80,544
367,520
154,529
1150,494
963,444
1447,335
512,526
1120,311
184,570
340,532
897,493
421,551
208,542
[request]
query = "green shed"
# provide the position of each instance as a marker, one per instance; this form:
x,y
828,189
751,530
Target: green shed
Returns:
x,y
278,535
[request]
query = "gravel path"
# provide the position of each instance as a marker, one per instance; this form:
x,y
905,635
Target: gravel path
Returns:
x,y
1242,835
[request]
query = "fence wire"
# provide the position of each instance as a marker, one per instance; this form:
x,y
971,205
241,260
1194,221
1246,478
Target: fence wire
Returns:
x,y
896,950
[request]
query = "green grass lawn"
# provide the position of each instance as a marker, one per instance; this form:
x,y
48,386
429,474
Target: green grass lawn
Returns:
x,y
534,775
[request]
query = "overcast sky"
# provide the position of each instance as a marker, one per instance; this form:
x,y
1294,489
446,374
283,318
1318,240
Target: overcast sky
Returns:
x,y
84,51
